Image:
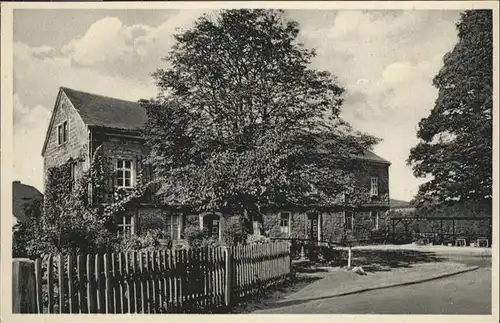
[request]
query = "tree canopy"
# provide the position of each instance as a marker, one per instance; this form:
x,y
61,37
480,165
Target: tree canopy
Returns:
x,y
243,123
455,148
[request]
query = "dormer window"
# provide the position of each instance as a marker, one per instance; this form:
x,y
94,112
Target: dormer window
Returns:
x,y
124,173
62,133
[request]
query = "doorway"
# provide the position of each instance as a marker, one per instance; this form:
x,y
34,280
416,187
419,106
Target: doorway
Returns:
x,y
313,226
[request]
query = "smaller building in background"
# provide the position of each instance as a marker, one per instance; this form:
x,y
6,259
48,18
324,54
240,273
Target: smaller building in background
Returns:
x,y
22,196
402,207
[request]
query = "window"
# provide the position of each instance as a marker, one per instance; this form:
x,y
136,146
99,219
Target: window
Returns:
x,y
349,220
374,186
124,173
62,133
211,222
172,226
256,227
285,222
374,216
214,230
125,225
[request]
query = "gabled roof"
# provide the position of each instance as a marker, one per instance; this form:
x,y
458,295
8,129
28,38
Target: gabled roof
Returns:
x,y
107,112
370,155
104,111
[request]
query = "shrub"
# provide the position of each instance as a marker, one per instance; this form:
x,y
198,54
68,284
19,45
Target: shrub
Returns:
x,y
256,239
232,232
330,254
197,238
180,244
148,241
69,221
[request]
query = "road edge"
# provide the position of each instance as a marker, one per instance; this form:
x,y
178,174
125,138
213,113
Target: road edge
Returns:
x,y
412,282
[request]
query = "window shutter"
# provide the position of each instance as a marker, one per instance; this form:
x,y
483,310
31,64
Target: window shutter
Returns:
x,y
182,225
137,222
135,166
201,219
59,135
65,130
113,181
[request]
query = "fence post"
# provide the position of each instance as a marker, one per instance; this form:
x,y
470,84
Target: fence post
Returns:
x,y
229,273
23,286
349,258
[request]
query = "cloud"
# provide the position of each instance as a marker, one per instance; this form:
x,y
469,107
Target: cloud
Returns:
x,y
29,134
36,83
26,52
37,80
105,60
391,107
386,61
106,39
112,47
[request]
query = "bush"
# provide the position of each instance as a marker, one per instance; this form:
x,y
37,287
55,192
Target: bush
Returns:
x,y
69,222
331,255
148,241
180,244
257,239
197,238
232,232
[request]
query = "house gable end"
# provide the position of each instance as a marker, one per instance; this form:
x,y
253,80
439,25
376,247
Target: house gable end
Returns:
x,y
51,122
74,146
61,96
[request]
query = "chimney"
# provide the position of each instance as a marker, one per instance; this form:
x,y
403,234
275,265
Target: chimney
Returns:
x,y
16,182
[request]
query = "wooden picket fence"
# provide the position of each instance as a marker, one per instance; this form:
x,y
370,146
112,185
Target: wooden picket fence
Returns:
x,y
160,281
258,266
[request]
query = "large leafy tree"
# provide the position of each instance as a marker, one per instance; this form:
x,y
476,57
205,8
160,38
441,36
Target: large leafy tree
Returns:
x,y
242,123
455,150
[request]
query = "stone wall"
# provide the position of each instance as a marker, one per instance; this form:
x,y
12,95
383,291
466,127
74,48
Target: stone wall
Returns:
x,y
363,178
332,225
75,147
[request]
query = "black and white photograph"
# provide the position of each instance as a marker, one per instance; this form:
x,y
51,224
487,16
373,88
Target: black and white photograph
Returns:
x,y
250,158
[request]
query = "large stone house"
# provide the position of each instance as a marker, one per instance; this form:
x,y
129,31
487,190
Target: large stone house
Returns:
x,y
82,121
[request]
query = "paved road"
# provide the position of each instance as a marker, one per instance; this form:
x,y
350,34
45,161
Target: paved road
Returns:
x,y
469,260
467,293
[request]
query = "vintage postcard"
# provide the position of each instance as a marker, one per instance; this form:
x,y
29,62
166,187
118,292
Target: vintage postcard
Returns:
x,y
163,161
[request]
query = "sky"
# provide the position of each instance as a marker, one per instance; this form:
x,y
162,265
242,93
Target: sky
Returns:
x,y
385,60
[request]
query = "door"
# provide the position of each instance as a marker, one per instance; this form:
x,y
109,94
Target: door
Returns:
x,y
212,224
313,226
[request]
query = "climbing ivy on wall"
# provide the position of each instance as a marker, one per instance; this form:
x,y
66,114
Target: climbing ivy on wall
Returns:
x,y
78,216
